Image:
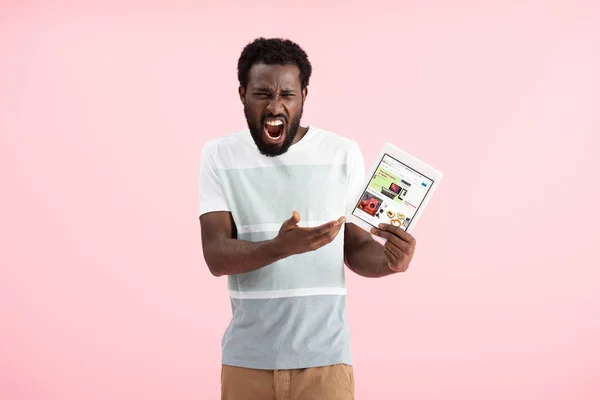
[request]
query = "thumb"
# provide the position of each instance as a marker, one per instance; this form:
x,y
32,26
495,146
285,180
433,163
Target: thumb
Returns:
x,y
293,221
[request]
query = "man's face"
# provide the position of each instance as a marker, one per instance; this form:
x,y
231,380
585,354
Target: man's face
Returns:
x,y
273,102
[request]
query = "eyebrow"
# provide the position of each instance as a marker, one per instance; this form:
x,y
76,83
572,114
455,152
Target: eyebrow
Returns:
x,y
267,89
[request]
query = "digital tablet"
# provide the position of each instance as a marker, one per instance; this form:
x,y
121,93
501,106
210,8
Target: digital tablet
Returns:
x,y
395,191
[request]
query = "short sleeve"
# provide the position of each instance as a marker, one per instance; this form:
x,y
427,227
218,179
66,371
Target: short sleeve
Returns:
x,y
356,174
211,196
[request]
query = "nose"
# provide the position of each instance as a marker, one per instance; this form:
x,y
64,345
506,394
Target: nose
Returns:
x,y
275,106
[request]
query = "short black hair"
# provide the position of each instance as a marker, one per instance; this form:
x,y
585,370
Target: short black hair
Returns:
x,y
274,51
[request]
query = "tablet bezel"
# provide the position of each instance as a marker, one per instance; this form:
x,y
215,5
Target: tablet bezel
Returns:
x,y
412,162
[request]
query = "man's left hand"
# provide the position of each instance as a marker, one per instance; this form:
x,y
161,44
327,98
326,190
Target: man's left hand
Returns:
x,y
399,247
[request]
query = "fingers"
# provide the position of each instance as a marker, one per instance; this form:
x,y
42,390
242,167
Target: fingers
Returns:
x,y
397,231
393,239
329,226
393,261
300,239
328,235
389,256
392,248
398,248
397,236
324,234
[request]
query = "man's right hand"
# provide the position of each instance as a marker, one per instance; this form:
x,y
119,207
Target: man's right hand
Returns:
x,y
295,240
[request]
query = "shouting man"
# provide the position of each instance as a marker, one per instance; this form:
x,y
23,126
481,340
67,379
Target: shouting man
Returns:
x,y
272,204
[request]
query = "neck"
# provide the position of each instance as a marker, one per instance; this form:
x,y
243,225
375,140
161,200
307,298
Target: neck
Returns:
x,y
301,132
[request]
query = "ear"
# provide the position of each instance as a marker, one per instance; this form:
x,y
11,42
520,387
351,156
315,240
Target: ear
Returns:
x,y
304,94
242,93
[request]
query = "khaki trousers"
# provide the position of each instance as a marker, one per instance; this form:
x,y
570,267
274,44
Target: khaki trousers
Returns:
x,y
333,382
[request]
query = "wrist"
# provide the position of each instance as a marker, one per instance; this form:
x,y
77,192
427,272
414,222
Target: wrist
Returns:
x,y
277,248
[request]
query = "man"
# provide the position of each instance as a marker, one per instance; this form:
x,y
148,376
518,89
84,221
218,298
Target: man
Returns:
x,y
272,204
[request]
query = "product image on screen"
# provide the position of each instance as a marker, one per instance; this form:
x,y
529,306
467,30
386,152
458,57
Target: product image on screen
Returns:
x,y
394,194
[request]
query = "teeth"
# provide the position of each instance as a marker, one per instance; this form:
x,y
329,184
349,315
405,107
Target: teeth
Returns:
x,y
274,123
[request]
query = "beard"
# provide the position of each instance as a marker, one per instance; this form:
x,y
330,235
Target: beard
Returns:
x,y
257,132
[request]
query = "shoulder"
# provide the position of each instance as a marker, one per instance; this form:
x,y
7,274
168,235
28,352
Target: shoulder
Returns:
x,y
235,140
224,150
333,142
333,139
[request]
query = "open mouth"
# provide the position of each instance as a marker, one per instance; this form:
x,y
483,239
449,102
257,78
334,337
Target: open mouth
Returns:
x,y
274,130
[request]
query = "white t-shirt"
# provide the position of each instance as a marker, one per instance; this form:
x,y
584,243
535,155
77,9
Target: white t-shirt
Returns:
x,y
289,314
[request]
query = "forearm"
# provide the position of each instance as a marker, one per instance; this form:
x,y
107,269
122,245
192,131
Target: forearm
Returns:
x,y
368,260
234,256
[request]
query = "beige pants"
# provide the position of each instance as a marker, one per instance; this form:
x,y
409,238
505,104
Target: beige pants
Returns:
x,y
334,382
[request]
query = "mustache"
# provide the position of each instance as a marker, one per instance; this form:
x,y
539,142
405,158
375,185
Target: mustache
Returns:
x,y
270,115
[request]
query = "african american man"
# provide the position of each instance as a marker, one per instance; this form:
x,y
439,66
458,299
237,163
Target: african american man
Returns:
x,y
272,200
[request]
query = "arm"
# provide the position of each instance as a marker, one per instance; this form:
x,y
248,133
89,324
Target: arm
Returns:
x,y
225,254
362,254
368,258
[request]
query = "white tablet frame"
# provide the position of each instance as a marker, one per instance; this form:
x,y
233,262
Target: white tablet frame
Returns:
x,y
410,161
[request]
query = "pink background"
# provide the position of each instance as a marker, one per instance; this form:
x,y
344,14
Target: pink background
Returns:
x,y
104,109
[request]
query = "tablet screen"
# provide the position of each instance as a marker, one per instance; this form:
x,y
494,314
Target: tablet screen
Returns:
x,y
393,195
